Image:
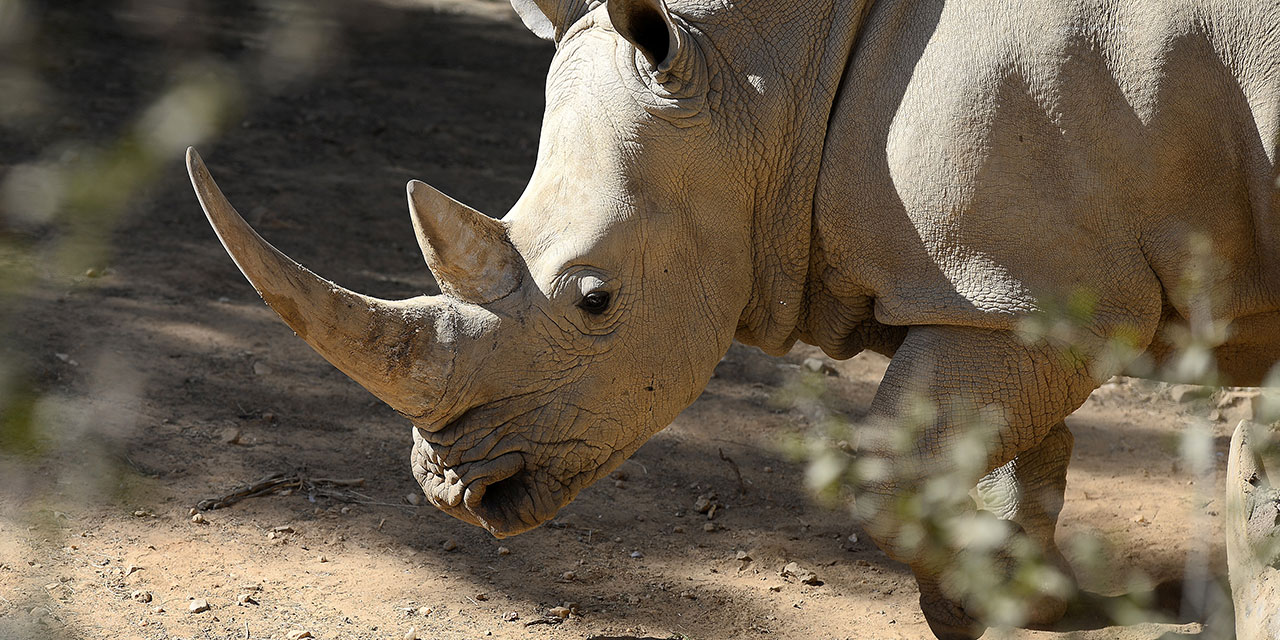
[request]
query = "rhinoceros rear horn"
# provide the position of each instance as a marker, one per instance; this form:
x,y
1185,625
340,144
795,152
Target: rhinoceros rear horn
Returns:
x,y
384,345
467,251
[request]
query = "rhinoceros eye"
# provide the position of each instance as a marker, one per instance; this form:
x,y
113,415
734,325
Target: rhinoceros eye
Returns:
x,y
595,302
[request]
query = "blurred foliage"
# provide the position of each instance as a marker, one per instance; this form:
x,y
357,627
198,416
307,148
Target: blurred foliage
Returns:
x,y
994,572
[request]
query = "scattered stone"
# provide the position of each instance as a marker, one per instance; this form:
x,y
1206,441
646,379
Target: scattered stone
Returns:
x,y
450,544
141,596
743,556
793,570
231,435
198,605
192,511
411,634
1140,519
775,588
298,635
853,538
245,599
261,369
503,551
559,612
424,611
414,498
768,469
198,519
510,616
92,273
322,558
817,365
619,484
617,540
704,502
569,576
141,514
688,595
637,554
284,528
677,529
709,527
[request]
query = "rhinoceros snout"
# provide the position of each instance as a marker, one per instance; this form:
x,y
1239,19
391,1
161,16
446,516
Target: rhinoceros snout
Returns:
x,y
499,495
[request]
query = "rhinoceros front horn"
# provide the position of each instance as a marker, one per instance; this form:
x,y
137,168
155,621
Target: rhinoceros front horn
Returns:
x,y
386,346
467,251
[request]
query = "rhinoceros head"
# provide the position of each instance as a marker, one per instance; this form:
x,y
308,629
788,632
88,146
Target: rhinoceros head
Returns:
x,y
582,322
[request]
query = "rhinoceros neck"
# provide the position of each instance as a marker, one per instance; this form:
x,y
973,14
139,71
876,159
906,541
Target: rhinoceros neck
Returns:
x,y
793,52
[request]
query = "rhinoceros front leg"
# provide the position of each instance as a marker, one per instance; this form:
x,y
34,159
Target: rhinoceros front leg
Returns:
x,y
961,402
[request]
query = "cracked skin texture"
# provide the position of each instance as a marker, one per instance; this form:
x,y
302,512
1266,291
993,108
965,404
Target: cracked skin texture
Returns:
x,y
915,178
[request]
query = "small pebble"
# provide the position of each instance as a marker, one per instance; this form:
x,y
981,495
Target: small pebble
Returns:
x,y
568,576
414,499
424,611
503,551
618,540
450,544
742,555
192,511
411,634
510,616
709,527
559,612
245,599
637,554
198,519
677,529
198,605
298,635
141,596
322,558
482,596
768,469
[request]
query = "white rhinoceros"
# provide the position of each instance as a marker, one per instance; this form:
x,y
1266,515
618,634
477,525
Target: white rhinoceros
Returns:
x,y
910,177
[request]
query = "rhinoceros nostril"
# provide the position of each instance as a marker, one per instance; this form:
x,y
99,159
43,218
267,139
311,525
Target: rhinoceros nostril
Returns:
x,y
503,495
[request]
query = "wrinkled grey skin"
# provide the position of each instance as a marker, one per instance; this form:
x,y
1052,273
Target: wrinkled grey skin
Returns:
x,y
1253,530
915,178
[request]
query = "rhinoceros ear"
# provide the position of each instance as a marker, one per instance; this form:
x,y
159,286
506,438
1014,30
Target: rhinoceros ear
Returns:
x,y
648,25
549,19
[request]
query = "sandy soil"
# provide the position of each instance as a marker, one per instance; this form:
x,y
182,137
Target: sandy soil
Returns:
x,y
165,381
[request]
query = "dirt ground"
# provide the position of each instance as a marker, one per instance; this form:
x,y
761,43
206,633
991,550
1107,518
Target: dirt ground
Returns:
x,y
163,380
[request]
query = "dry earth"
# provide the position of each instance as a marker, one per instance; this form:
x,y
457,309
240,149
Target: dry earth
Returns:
x,y
164,381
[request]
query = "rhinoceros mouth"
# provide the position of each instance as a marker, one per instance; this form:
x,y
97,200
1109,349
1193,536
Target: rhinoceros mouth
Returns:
x,y
501,495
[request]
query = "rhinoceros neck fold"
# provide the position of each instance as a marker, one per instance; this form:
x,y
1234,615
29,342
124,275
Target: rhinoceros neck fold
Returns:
x,y
797,88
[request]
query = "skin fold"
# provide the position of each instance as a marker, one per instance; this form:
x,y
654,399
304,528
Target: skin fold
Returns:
x,y
920,179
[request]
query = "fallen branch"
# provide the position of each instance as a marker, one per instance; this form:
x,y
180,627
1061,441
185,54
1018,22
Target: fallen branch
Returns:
x,y
280,482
